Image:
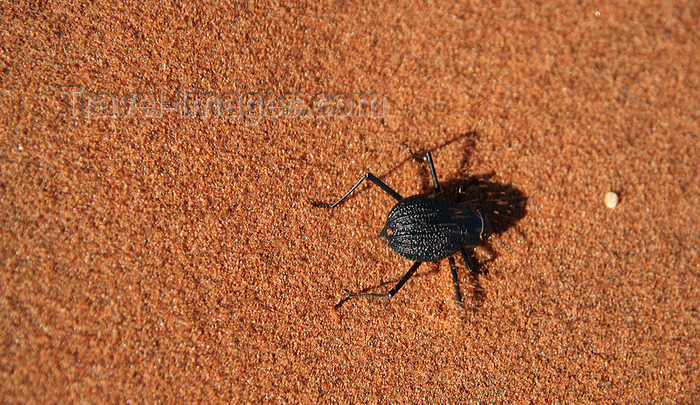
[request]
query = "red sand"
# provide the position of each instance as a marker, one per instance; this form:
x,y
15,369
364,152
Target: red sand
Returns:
x,y
178,259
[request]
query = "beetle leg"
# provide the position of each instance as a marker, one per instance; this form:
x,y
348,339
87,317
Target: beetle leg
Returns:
x,y
392,292
431,167
466,260
432,171
373,179
455,280
403,280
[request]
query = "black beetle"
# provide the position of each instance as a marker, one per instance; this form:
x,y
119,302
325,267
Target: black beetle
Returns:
x,y
426,228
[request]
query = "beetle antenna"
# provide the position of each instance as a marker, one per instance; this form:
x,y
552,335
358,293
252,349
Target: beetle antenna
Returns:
x,y
503,244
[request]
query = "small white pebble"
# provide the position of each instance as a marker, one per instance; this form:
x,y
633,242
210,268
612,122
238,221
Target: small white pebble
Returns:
x,y
611,199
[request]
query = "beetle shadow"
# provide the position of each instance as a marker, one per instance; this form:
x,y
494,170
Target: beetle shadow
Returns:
x,y
503,204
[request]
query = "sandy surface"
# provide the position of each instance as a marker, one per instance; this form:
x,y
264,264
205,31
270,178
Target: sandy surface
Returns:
x,y
153,253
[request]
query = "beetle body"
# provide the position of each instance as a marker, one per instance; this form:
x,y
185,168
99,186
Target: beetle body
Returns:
x,y
429,228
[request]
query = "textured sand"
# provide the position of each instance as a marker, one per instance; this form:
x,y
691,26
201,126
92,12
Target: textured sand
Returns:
x,y
155,256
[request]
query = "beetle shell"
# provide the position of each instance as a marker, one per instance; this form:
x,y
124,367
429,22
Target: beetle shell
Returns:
x,y
429,228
